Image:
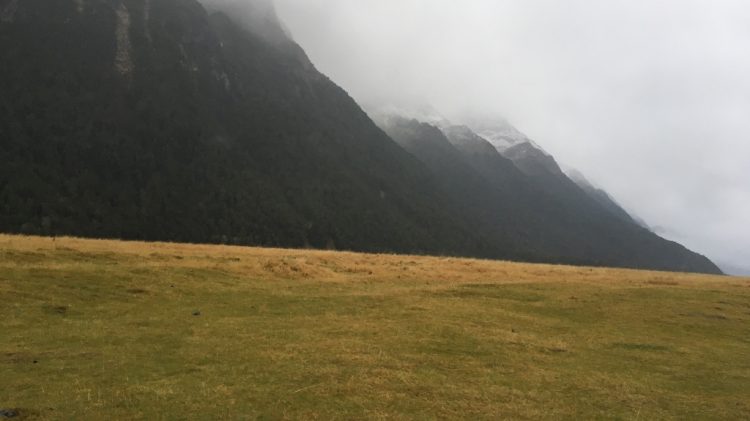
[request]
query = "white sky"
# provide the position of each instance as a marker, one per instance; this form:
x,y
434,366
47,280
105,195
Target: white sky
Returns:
x,y
650,99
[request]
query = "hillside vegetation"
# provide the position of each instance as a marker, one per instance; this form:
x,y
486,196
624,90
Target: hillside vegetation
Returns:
x,y
159,121
127,330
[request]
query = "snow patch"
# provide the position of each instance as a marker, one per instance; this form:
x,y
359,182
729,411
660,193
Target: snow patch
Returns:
x,y
503,138
500,133
8,14
123,60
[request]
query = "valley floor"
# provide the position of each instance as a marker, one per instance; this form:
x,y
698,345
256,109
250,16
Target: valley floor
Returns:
x,y
124,330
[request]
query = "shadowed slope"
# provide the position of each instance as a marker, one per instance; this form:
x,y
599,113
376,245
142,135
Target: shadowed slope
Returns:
x,y
155,120
537,210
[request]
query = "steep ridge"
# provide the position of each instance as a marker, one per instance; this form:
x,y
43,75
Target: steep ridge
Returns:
x,y
498,131
614,235
533,204
532,159
155,120
489,207
602,197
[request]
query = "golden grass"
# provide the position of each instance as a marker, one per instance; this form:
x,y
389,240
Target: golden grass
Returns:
x,y
334,266
105,329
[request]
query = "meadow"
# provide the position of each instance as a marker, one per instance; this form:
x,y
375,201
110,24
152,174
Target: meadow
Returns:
x,y
94,329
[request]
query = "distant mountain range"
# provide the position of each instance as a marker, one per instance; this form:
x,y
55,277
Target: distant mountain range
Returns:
x,y
519,195
160,120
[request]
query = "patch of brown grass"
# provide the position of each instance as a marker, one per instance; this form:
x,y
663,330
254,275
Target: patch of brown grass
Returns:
x,y
156,330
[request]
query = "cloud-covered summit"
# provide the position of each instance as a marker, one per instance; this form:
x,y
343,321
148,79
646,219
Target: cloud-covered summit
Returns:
x,y
259,16
648,99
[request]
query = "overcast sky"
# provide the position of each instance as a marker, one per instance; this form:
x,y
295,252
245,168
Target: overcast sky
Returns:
x,y
650,99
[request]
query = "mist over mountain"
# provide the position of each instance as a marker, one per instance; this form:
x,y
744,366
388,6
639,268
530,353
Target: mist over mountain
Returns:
x,y
530,204
648,100
602,197
499,132
164,120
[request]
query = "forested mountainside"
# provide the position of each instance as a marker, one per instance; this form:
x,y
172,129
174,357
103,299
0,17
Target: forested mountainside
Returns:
x,y
157,120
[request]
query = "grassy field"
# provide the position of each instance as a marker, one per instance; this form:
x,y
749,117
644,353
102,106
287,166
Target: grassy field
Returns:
x,y
125,330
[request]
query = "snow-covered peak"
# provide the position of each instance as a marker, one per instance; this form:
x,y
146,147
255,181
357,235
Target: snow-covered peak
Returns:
x,y
503,139
465,138
499,132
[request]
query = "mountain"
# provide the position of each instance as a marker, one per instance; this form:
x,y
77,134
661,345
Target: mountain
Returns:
x,y
489,206
156,120
532,159
582,198
498,131
603,198
530,205
160,120
484,158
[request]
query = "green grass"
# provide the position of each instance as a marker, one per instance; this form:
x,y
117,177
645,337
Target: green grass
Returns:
x,y
105,330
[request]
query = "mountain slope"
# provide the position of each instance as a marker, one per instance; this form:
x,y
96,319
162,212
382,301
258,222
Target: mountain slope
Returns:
x,y
531,158
497,131
537,209
602,197
485,206
155,120
619,235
